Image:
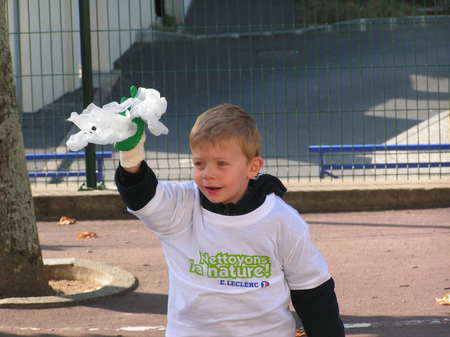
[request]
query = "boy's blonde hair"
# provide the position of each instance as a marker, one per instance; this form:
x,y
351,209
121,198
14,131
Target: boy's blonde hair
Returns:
x,y
227,122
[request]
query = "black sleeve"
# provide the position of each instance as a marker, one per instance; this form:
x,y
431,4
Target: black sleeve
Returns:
x,y
319,311
136,189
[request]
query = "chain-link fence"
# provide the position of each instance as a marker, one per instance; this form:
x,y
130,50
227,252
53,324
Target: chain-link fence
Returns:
x,y
312,72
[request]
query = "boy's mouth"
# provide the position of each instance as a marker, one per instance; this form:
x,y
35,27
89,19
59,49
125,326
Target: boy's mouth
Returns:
x,y
212,188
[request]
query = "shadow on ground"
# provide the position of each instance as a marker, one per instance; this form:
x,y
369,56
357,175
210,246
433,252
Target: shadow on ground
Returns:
x,y
134,302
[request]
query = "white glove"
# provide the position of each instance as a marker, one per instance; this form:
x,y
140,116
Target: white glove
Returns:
x,y
134,156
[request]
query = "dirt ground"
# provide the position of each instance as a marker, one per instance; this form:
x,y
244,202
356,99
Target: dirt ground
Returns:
x,y
389,268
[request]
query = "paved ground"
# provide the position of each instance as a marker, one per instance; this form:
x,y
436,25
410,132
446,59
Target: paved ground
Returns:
x,y
389,266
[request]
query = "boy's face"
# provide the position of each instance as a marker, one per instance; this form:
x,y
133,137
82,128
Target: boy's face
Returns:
x,y
222,171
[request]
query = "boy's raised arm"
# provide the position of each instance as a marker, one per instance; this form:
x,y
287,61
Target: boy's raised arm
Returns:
x,y
135,181
136,189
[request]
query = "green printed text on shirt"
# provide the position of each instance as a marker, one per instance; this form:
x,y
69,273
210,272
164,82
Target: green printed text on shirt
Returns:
x,y
231,266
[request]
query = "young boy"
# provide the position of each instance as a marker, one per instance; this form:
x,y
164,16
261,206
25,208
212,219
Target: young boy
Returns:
x,y
236,252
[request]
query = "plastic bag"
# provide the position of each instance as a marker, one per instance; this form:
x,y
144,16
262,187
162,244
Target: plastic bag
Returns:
x,y
113,122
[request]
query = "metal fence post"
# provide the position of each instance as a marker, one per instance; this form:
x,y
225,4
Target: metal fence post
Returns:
x,y
86,66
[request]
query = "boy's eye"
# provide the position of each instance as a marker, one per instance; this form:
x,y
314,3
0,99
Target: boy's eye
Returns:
x,y
222,163
197,163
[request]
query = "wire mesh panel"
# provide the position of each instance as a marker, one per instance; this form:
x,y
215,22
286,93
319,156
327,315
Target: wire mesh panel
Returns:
x,y
45,53
311,72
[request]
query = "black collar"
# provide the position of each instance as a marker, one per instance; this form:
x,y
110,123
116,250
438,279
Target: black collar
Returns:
x,y
255,196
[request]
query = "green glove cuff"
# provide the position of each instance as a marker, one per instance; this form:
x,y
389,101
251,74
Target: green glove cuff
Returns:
x,y
131,142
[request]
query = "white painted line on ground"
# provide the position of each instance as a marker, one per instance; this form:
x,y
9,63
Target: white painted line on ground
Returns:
x,y
398,324
142,328
416,322
357,325
29,328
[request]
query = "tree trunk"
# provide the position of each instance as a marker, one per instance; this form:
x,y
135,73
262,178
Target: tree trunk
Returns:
x,y
21,267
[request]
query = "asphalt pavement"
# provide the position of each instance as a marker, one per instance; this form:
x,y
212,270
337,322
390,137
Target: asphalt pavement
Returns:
x,y
389,267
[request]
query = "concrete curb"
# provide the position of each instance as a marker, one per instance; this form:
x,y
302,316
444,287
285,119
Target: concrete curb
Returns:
x,y
334,197
369,198
113,279
82,205
160,35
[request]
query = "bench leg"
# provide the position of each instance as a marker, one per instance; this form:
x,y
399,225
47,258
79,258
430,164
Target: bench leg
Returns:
x,y
100,176
323,172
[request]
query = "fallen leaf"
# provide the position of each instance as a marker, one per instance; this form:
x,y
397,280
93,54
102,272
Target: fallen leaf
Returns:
x,y
86,235
444,300
300,333
65,220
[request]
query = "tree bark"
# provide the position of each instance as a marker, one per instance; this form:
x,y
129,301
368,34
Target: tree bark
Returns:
x,y
21,267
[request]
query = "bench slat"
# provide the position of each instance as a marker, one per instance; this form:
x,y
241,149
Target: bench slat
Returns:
x,y
68,155
99,156
324,168
383,165
56,174
372,148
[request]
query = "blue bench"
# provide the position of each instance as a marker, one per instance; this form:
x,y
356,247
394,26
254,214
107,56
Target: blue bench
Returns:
x,y
326,167
99,156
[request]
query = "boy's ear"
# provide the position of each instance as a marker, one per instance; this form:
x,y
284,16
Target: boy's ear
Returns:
x,y
256,164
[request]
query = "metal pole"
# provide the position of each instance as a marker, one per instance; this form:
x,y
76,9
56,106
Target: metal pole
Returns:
x,y
86,66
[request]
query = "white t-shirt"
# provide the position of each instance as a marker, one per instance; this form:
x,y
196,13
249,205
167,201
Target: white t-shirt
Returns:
x,y
231,276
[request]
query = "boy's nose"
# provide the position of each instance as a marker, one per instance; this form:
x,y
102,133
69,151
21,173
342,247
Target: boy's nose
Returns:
x,y
208,172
